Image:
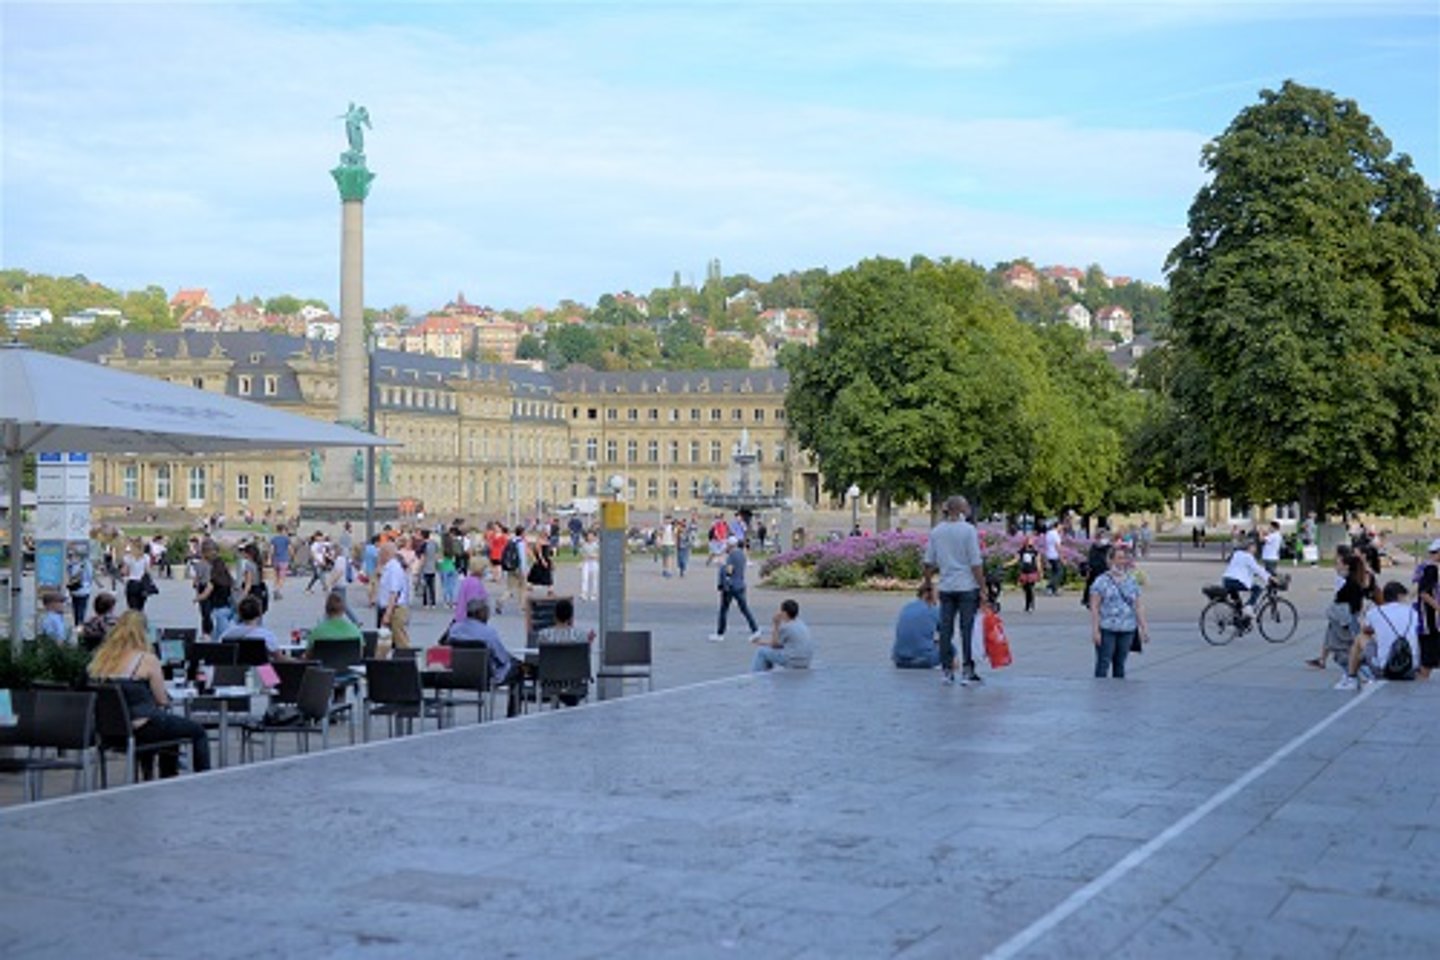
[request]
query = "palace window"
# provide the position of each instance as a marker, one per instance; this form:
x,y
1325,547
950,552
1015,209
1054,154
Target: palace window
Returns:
x,y
272,386
267,487
591,445
197,484
242,487
652,452
716,415
162,482
244,386
130,481
652,489
694,451
611,451
674,451
632,451
674,489
715,451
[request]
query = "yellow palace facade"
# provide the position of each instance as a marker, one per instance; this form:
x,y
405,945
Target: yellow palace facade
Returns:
x,y
480,440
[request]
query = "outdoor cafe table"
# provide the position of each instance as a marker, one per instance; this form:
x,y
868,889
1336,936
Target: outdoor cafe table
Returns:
x,y
219,699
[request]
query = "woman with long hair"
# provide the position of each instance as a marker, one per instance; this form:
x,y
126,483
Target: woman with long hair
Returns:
x,y
125,659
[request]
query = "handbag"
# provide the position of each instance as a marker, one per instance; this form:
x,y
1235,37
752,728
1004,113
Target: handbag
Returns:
x,y
147,585
997,645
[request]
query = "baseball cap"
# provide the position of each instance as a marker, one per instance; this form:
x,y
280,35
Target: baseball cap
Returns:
x,y
1435,546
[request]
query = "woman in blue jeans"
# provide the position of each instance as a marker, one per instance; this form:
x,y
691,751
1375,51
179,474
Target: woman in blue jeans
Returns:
x,y
1116,615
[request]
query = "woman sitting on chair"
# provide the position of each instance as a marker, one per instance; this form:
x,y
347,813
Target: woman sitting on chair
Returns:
x,y
125,656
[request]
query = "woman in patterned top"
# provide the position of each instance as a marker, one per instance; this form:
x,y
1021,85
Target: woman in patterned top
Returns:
x,y
1117,617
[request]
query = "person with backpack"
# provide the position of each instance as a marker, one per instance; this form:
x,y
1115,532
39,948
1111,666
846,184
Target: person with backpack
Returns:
x,y
1389,644
512,564
1427,607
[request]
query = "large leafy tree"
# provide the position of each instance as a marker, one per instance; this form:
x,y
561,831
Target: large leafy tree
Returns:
x,y
1306,340
922,384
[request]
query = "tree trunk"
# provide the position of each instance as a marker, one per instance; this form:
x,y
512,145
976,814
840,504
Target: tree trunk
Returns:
x,y
882,511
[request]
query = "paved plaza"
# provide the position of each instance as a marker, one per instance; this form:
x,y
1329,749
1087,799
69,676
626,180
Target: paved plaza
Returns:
x,y
1221,802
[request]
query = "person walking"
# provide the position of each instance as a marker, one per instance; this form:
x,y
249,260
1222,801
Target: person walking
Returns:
x,y
428,555
393,598
684,538
1027,558
953,552
1117,617
589,567
730,581
79,581
1097,559
280,558
542,563
1052,559
137,570
667,546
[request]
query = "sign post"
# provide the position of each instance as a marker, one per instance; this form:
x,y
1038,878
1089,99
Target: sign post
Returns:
x,y
613,527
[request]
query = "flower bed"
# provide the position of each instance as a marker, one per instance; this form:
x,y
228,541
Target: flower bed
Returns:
x,y
893,560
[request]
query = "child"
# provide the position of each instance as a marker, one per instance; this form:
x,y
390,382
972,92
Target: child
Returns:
x,y
52,620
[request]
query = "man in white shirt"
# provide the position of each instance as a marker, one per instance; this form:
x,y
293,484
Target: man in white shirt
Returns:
x,y
953,551
1243,573
1270,552
392,599
1052,559
1394,621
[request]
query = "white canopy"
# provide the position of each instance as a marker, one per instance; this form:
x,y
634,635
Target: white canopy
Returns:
x,y
49,402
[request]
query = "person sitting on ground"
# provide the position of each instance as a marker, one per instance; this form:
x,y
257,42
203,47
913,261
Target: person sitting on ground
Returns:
x,y
337,627
565,631
1393,622
915,646
52,620
1244,574
125,656
250,627
789,644
475,631
101,622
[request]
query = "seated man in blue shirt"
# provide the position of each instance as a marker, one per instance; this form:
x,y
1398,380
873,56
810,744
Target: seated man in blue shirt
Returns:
x,y
475,631
915,647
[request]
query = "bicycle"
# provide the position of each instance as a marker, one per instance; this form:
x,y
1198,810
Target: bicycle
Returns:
x,y
1225,617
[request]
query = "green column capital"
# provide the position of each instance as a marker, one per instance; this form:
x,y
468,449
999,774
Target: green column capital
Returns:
x,y
353,181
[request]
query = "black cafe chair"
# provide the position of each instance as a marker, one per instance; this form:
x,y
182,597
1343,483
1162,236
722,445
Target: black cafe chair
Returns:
x,y
469,672
250,651
117,732
315,711
58,720
393,690
562,673
626,657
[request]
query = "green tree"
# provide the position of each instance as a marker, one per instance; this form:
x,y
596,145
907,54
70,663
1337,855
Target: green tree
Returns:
x,y
1305,325
530,347
731,354
921,384
285,305
573,343
628,348
610,312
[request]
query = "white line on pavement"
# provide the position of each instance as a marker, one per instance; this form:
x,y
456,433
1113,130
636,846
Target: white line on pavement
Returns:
x,y
1077,900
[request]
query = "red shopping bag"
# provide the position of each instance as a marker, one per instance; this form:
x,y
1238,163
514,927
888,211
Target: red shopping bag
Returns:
x,y
997,647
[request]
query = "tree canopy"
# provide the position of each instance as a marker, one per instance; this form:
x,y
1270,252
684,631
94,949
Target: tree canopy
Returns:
x,y
923,384
1305,361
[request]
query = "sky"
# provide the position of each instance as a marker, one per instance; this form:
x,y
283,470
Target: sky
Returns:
x,y
527,153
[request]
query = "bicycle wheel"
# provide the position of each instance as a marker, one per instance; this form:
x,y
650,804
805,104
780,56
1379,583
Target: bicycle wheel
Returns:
x,y
1217,623
1278,620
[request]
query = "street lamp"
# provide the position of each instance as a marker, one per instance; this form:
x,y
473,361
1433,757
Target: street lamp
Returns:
x,y
854,494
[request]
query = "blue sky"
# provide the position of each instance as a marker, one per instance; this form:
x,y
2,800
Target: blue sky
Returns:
x,y
528,153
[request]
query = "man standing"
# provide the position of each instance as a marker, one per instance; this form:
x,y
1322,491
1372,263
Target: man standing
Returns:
x,y
1270,552
789,646
280,557
1052,559
953,552
370,566
393,598
731,584
429,566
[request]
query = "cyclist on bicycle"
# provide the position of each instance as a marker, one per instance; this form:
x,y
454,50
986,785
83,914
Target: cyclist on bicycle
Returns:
x,y
1243,573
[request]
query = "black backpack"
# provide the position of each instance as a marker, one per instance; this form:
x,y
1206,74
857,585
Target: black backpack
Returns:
x,y
510,557
1400,661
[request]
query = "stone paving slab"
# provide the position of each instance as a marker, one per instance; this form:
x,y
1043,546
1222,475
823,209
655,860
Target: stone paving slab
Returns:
x,y
847,811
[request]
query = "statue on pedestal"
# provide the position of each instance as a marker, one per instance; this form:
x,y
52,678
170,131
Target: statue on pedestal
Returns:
x,y
357,467
385,468
315,467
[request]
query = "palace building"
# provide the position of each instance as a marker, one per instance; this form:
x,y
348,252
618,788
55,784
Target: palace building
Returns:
x,y
480,440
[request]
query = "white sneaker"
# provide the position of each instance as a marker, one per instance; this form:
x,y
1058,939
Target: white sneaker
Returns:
x,y
1347,682
757,635
716,638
